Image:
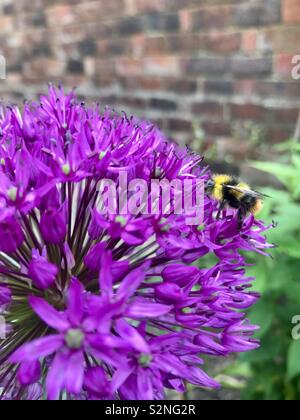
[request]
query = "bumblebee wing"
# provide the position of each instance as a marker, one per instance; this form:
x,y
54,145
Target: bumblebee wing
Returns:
x,y
245,191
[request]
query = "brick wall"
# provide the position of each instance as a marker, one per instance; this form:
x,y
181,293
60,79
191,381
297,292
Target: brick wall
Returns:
x,y
213,73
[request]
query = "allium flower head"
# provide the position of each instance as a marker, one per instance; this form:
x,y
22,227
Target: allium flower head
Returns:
x,y
109,306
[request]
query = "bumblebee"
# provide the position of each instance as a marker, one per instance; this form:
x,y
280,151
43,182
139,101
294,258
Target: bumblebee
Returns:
x,y
230,191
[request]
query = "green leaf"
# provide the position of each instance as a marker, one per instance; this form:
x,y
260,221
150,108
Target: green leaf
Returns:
x,y
269,349
287,174
293,360
260,273
292,248
286,146
262,315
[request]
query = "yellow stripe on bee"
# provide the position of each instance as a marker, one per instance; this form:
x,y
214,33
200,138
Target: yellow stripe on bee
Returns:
x,y
218,188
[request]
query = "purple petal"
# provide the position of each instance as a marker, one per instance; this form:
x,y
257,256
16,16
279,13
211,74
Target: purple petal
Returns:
x,y
53,226
93,258
169,292
55,382
39,348
105,275
74,371
130,283
198,377
29,372
146,309
130,334
48,314
96,382
42,273
180,274
120,376
75,302
144,386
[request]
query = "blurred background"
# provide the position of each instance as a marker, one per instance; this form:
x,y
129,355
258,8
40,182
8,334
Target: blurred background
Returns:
x,y
221,76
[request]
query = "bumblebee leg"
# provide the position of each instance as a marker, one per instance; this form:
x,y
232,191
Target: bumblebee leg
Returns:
x,y
241,215
221,208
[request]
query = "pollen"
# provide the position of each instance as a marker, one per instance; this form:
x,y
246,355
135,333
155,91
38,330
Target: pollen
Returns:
x,y
102,155
74,339
145,360
66,169
12,193
121,220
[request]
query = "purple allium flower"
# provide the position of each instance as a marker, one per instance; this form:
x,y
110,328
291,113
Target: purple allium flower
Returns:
x,y
109,306
41,272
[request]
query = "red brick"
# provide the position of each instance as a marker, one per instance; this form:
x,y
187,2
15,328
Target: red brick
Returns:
x,y
248,15
137,45
179,125
103,80
251,67
218,87
211,109
186,21
105,68
291,11
180,86
160,66
6,24
224,43
184,43
206,65
283,115
278,134
163,104
217,128
284,40
128,26
247,112
144,82
43,67
130,7
95,10
133,102
249,43
127,66
284,66
89,67
60,15
212,17
155,45
142,6
280,89
75,67
256,14
180,4
111,48
245,87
